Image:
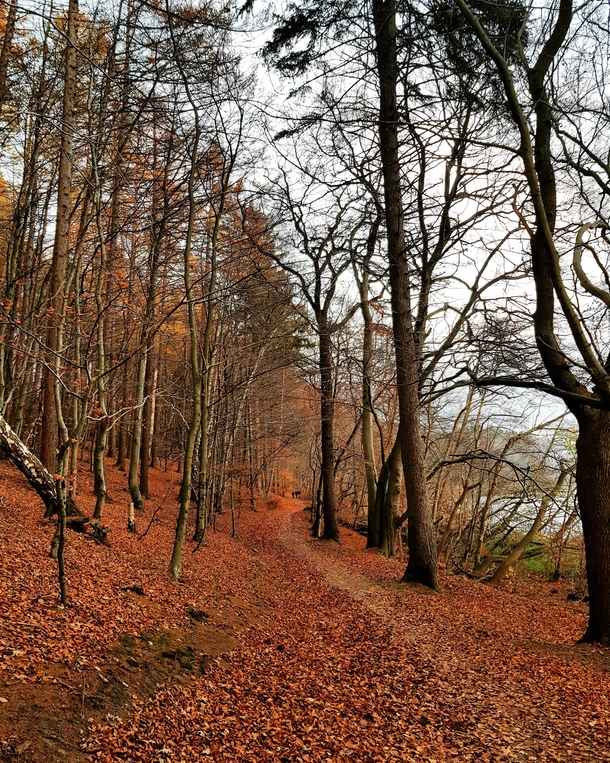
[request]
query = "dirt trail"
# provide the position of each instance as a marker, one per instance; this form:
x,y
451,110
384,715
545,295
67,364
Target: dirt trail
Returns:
x,y
518,723
353,666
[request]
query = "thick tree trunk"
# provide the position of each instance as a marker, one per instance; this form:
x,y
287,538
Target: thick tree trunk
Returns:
x,y
422,566
593,490
327,410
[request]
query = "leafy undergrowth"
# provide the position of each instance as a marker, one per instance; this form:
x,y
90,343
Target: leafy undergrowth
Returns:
x,y
339,661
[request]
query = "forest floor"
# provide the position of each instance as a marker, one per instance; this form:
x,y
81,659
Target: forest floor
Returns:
x,y
277,647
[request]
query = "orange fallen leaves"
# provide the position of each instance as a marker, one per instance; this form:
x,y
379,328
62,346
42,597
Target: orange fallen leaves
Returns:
x,y
348,665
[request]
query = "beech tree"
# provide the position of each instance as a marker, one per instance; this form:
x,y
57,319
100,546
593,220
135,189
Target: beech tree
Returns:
x,y
316,255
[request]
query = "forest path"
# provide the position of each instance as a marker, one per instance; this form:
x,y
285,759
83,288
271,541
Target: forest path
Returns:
x,y
351,665
478,699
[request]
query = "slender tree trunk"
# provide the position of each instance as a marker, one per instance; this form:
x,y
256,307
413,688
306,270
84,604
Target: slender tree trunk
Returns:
x,y
251,467
561,537
49,436
368,446
530,535
389,507
121,435
160,213
422,565
457,433
206,385
175,565
147,423
136,432
53,423
99,469
317,509
456,507
381,491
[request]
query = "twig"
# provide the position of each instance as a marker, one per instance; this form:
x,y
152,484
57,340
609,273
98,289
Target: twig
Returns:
x,y
28,625
155,512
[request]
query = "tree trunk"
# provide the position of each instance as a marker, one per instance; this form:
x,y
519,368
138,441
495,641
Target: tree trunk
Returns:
x,y
561,538
593,444
373,525
422,565
251,469
147,422
206,386
121,435
327,410
136,433
175,565
30,466
466,488
389,508
5,51
102,427
373,538
530,535
368,446
317,510
593,490
49,435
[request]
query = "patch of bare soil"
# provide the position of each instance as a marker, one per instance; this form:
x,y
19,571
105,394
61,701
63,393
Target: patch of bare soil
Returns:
x,y
46,720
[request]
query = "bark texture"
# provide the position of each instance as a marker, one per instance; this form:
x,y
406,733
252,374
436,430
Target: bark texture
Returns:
x,y
593,490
